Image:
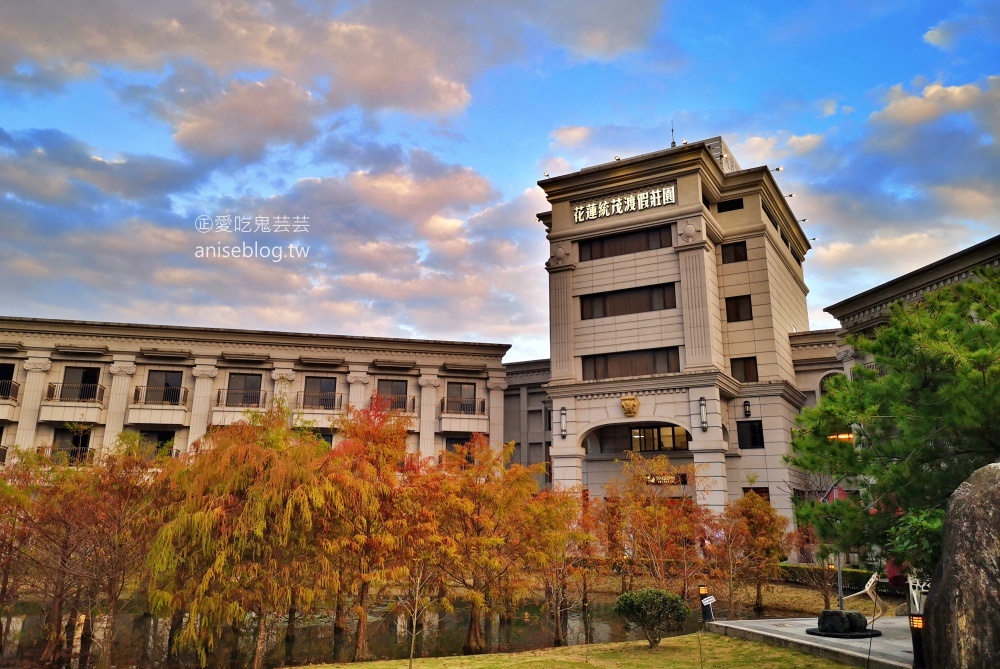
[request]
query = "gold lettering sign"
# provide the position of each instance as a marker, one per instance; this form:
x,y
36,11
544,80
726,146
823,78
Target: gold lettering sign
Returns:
x,y
630,406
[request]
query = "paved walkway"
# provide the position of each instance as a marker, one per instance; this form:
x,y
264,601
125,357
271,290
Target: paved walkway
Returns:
x,y
892,650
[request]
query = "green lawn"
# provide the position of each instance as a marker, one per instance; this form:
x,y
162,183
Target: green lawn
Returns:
x,y
673,653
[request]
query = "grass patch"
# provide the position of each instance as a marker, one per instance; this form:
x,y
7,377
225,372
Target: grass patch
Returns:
x,y
680,652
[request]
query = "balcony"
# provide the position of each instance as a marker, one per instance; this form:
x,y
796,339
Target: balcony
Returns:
x,y
463,415
8,399
247,399
72,403
320,401
404,403
160,395
231,405
473,407
9,391
158,405
75,392
72,455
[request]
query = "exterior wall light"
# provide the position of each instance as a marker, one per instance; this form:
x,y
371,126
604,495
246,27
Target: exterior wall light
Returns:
x,y
562,422
703,407
746,408
917,637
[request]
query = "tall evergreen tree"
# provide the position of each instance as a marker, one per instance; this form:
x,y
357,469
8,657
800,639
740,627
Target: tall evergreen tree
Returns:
x,y
923,418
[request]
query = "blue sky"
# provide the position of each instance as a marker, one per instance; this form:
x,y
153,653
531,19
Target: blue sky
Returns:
x,y
411,135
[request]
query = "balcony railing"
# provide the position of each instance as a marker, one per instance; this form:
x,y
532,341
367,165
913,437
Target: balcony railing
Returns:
x,y
242,398
73,455
9,390
160,395
75,392
468,407
406,403
321,401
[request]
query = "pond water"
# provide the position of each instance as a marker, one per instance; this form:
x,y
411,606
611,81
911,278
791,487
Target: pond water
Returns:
x,y
142,641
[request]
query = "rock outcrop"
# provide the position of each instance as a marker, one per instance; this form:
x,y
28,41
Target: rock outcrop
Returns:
x,y
962,615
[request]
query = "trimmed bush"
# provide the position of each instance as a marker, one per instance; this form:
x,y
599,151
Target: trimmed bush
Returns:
x,y
655,611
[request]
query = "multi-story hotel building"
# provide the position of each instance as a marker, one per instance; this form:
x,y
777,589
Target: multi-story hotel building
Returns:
x,y
74,386
678,325
675,279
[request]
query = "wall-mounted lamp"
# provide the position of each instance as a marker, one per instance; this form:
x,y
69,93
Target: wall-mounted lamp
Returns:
x,y
746,408
790,195
562,422
703,408
779,168
803,220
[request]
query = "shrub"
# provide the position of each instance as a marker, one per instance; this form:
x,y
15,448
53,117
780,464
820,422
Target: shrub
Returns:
x,y
655,611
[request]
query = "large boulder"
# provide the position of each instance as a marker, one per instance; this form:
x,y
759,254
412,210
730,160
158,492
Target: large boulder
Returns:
x,y
834,621
962,614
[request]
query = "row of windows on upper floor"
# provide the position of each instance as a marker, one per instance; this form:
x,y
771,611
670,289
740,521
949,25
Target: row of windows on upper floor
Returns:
x,y
652,298
646,362
611,246
165,387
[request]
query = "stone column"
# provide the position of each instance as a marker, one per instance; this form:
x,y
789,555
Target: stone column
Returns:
x,y
358,396
708,449
561,320
282,385
31,400
428,413
121,373
700,306
201,402
496,388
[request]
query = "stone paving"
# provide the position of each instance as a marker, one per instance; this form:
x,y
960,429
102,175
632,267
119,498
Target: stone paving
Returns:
x,y
892,650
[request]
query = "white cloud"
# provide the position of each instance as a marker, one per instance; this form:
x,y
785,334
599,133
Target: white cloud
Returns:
x,y
571,135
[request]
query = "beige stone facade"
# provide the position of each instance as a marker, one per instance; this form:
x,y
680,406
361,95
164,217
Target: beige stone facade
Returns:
x,y
74,386
675,280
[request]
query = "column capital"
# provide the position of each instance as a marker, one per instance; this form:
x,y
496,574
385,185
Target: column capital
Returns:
x,y
205,371
287,375
431,381
496,384
363,379
37,365
122,369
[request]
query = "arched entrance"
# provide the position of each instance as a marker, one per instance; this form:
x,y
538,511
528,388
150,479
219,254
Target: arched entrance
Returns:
x,y
607,446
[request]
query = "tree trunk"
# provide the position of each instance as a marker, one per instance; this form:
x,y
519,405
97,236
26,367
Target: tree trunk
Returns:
x,y
413,634
360,641
339,615
290,634
260,646
758,605
234,650
86,641
109,637
474,644
176,620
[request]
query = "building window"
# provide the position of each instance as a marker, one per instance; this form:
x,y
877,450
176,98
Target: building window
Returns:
x,y
739,309
825,382
744,369
735,252
8,389
73,445
394,391
163,387
244,391
80,384
750,433
730,205
642,438
629,242
631,363
320,393
461,398
761,491
159,441
631,301
770,217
